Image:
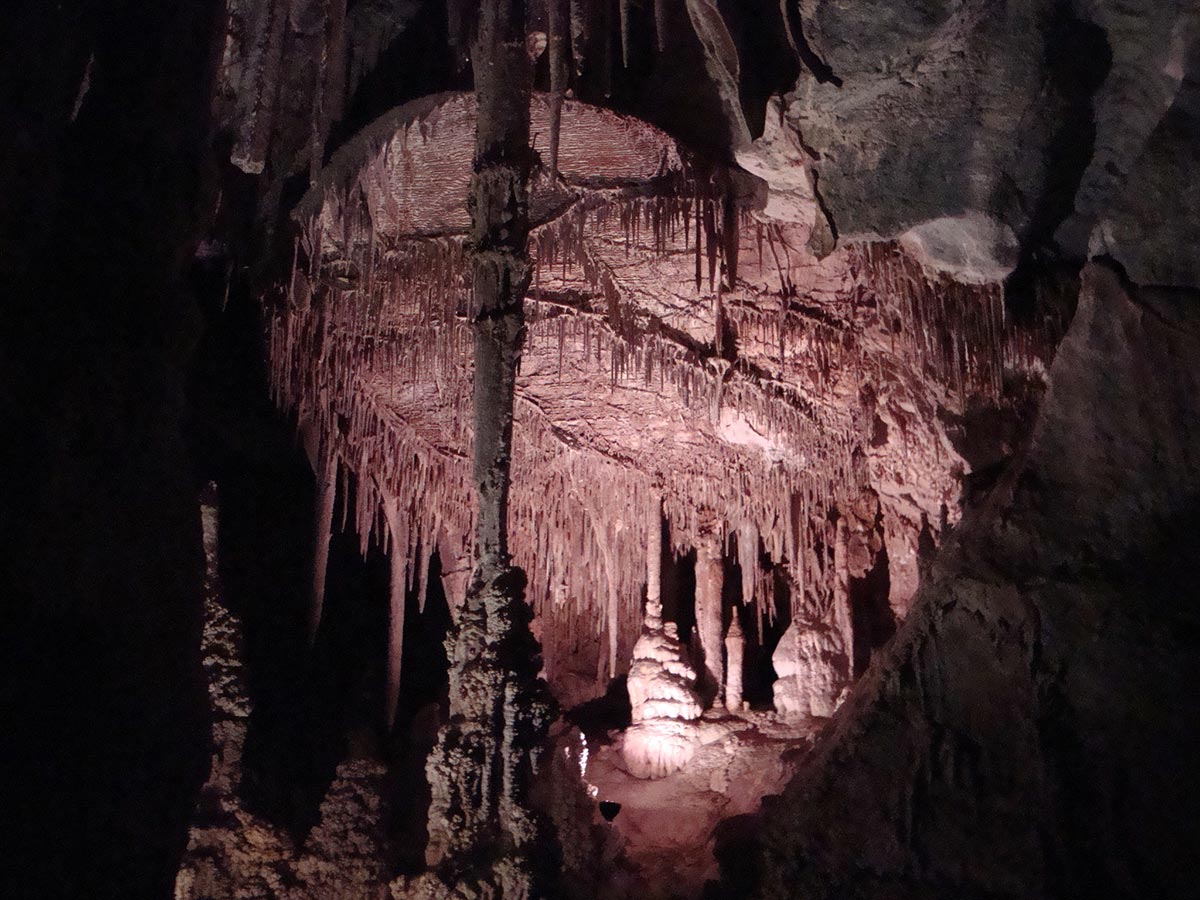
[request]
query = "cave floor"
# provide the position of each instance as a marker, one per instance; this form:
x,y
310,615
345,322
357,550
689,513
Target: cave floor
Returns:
x,y
667,826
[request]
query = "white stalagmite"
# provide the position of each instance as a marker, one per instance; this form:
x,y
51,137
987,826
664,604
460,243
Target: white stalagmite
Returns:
x,y
663,701
813,668
735,652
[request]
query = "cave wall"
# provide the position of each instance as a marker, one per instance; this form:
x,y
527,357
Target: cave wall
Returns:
x,y
1027,734
994,132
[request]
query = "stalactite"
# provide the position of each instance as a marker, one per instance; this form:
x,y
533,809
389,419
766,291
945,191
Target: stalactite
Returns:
x,y
560,38
660,24
326,494
625,38
397,526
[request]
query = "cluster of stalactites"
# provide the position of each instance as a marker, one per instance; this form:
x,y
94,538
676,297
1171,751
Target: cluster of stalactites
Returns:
x,y
408,304
957,333
569,507
370,330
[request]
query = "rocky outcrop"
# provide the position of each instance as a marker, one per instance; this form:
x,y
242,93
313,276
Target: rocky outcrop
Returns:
x,y
813,669
234,853
1026,733
910,117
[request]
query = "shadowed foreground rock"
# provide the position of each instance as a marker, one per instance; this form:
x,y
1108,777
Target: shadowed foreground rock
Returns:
x,y
1023,736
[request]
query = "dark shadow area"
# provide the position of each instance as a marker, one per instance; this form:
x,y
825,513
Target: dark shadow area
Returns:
x,y
872,621
736,848
1079,59
596,718
679,591
767,63
102,695
307,699
763,624
423,704
417,63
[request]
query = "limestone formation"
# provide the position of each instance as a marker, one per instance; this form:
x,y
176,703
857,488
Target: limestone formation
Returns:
x,y
233,852
813,668
735,652
710,581
663,698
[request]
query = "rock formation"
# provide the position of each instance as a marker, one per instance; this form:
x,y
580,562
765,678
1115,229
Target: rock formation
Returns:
x,y
1042,636
233,852
665,705
484,835
663,700
812,666
782,282
735,654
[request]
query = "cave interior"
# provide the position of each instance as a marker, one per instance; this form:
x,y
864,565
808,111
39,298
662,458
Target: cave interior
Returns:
x,y
665,449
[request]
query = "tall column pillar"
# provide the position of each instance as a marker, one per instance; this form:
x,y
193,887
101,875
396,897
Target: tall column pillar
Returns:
x,y
710,583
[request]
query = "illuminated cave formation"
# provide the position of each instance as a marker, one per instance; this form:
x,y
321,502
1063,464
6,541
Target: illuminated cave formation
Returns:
x,y
689,368
597,449
760,447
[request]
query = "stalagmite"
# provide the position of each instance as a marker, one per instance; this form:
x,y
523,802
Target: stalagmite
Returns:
x,y
735,651
710,582
661,683
326,495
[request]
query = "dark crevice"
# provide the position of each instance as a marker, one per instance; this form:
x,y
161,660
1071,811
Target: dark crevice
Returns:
x,y
820,69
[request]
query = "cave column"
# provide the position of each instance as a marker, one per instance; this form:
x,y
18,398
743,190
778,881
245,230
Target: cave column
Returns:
x,y
710,583
483,834
654,552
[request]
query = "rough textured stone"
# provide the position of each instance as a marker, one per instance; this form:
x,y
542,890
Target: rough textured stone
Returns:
x,y
813,668
1023,735
1026,120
